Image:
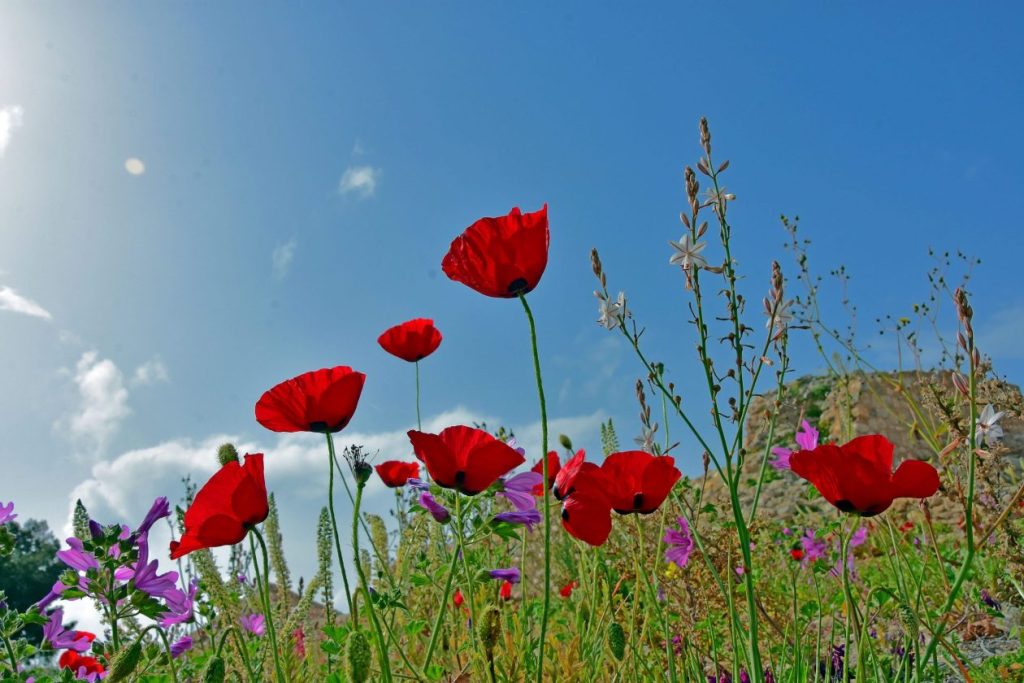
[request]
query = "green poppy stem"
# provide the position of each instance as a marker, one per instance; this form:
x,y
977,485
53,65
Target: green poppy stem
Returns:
x,y
547,491
352,607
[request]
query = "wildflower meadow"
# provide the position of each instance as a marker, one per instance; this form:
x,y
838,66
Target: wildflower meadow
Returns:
x,y
807,548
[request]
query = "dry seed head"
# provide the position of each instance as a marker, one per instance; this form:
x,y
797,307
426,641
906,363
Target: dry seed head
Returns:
x,y
705,135
595,262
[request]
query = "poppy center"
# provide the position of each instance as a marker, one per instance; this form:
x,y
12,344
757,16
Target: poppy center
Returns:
x,y
638,501
519,286
322,427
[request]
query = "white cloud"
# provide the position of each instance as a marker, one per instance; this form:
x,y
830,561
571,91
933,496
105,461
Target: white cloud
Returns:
x,y
134,166
121,489
282,257
10,118
361,180
150,372
102,404
10,300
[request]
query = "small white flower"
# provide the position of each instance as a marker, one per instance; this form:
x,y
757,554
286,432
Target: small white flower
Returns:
x,y
612,313
687,254
988,427
719,197
778,323
646,440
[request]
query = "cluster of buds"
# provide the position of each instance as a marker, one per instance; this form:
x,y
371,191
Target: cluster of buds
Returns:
x,y
692,191
646,439
965,338
775,307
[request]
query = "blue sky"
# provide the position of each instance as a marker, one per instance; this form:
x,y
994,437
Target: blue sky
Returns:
x,y
354,141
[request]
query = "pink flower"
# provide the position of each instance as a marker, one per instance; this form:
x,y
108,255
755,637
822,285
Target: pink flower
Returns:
x,y
806,440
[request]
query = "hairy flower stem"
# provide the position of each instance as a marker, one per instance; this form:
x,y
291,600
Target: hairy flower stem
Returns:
x,y
352,607
263,583
10,653
441,611
385,665
419,424
547,491
167,647
972,445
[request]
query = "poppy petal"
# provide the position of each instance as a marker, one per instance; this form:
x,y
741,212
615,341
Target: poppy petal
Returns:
x,y
485,463
914,479
586,518
435,454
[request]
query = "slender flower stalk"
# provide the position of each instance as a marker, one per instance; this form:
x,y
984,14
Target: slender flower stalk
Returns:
x,y
352,606
361,471
263,583
547,490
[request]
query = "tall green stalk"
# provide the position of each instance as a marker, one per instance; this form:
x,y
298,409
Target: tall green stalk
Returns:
x,y
547,491
352,606
263,583
382,653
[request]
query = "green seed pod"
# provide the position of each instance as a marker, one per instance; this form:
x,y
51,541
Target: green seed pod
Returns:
x,y
489,628
357,652
214,672
617,640
125,663
227,453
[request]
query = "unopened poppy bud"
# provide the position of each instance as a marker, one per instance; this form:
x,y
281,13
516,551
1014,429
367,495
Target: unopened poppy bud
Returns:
x,y
489,628
357,654
227,453
362,472
214,672
125,663
617,640
565,441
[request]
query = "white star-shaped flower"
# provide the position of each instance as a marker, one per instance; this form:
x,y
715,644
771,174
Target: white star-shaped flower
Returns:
x,y
612,313
780,321
687,254
988,427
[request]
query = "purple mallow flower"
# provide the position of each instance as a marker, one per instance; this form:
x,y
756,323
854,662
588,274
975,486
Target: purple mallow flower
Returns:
x,y
255,624
814,548
806,440
530,518
514,445
61,639
147,578
76,557
181,646
160,509
7,513
519,490
417,484
511,574
680,544
437,511
180,605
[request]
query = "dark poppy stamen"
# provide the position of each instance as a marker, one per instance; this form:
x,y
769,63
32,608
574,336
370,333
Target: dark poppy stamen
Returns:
x,y
460,479
519,286
638,501
845,506
319,427
565,514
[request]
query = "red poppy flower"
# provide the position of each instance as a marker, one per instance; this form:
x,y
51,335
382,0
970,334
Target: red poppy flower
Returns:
x,y
413,340
232,501
567,475
906,526
501,257
76,662
858,477
566,590
457,599
505,592
797,554
554,465
587,515
463,458
320,401
395,473
639,481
